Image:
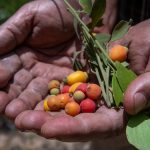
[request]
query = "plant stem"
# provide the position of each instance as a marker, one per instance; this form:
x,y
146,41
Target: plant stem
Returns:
x,y
102,86
76,16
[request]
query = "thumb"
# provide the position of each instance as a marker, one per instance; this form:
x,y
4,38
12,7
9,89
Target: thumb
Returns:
x,y
14,31
124,41
137,95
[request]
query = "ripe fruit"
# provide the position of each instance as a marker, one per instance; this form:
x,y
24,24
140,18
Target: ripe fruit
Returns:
x,y
53,103
78,96
77,76
46,108
65,89
53,84
118,53
88,106
72,108
63,99
93,91
82,87
54,91
73,87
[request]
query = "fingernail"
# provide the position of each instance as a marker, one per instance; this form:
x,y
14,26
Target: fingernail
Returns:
x,y
139,102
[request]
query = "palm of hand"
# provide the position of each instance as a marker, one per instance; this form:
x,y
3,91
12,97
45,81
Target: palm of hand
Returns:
x,y
26,72
23,94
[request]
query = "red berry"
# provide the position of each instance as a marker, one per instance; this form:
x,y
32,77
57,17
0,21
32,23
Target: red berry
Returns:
x,y
82,87
88,106
93,91
65,89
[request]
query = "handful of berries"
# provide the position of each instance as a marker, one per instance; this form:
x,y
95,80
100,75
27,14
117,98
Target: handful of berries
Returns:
x,y
76,96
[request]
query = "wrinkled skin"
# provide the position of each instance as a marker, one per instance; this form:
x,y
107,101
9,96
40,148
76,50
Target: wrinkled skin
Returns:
x,y
138,41
38,46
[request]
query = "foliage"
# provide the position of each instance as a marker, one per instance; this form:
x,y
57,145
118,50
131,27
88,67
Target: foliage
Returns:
x,y
109,74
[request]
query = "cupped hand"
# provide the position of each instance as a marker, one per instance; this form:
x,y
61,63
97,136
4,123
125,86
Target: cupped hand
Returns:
x,y
43,37
138,41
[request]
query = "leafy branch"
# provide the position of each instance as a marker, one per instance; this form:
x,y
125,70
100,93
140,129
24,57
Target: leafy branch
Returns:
x,y
104,68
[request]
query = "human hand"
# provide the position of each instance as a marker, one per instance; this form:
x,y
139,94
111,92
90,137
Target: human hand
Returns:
x,y
109,17
41,52
44,54
138,41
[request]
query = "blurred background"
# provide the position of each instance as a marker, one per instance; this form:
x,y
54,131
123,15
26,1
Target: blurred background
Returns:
x,y
10,138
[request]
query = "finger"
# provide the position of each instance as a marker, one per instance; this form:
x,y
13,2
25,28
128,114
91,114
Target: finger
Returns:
x,y
82,127
50,72
124,41
138,58
147,69
4,100
13,90
137,95
40,106
33,94
20,81
9,64
16,29
30,120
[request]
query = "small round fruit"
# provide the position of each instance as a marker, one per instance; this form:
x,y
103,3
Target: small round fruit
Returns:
x,y
65,89
54,91
118,53
73,87
72,108
88,106
82,87
53,84
93,91
53,103
77,76
46,108
63,99
78,96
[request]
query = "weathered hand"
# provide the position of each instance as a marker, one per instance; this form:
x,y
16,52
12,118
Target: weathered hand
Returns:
x,y
138,41
45,40
41,52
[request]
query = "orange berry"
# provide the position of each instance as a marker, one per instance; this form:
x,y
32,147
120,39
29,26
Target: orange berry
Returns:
x,y
53,103
63,99
118,53
93,91
72,108
53,84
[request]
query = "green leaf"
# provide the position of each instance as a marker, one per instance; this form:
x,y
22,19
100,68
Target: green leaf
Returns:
x,y
120,30
117,92
77,65
124,76
75,24
137,131
97,12
86,5
102,37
